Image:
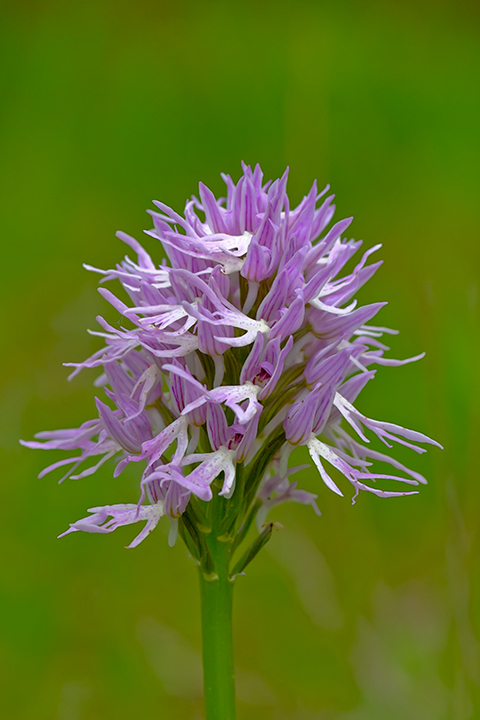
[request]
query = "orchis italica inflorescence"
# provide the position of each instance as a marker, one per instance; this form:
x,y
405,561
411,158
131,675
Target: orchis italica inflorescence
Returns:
x,y
245,346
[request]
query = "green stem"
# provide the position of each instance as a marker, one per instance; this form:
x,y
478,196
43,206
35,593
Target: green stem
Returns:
x,y
216,591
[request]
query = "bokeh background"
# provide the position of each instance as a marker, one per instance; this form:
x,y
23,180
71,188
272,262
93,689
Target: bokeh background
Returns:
x,y
371,611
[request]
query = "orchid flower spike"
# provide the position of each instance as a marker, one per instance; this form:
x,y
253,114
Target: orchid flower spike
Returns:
x,y
244,343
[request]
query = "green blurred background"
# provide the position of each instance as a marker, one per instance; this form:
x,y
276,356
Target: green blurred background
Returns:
x,y
371,611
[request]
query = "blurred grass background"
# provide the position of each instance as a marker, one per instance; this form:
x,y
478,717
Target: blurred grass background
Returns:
x,y
371,611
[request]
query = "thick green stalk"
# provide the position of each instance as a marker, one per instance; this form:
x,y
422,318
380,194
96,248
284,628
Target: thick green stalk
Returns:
x,y
216,602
